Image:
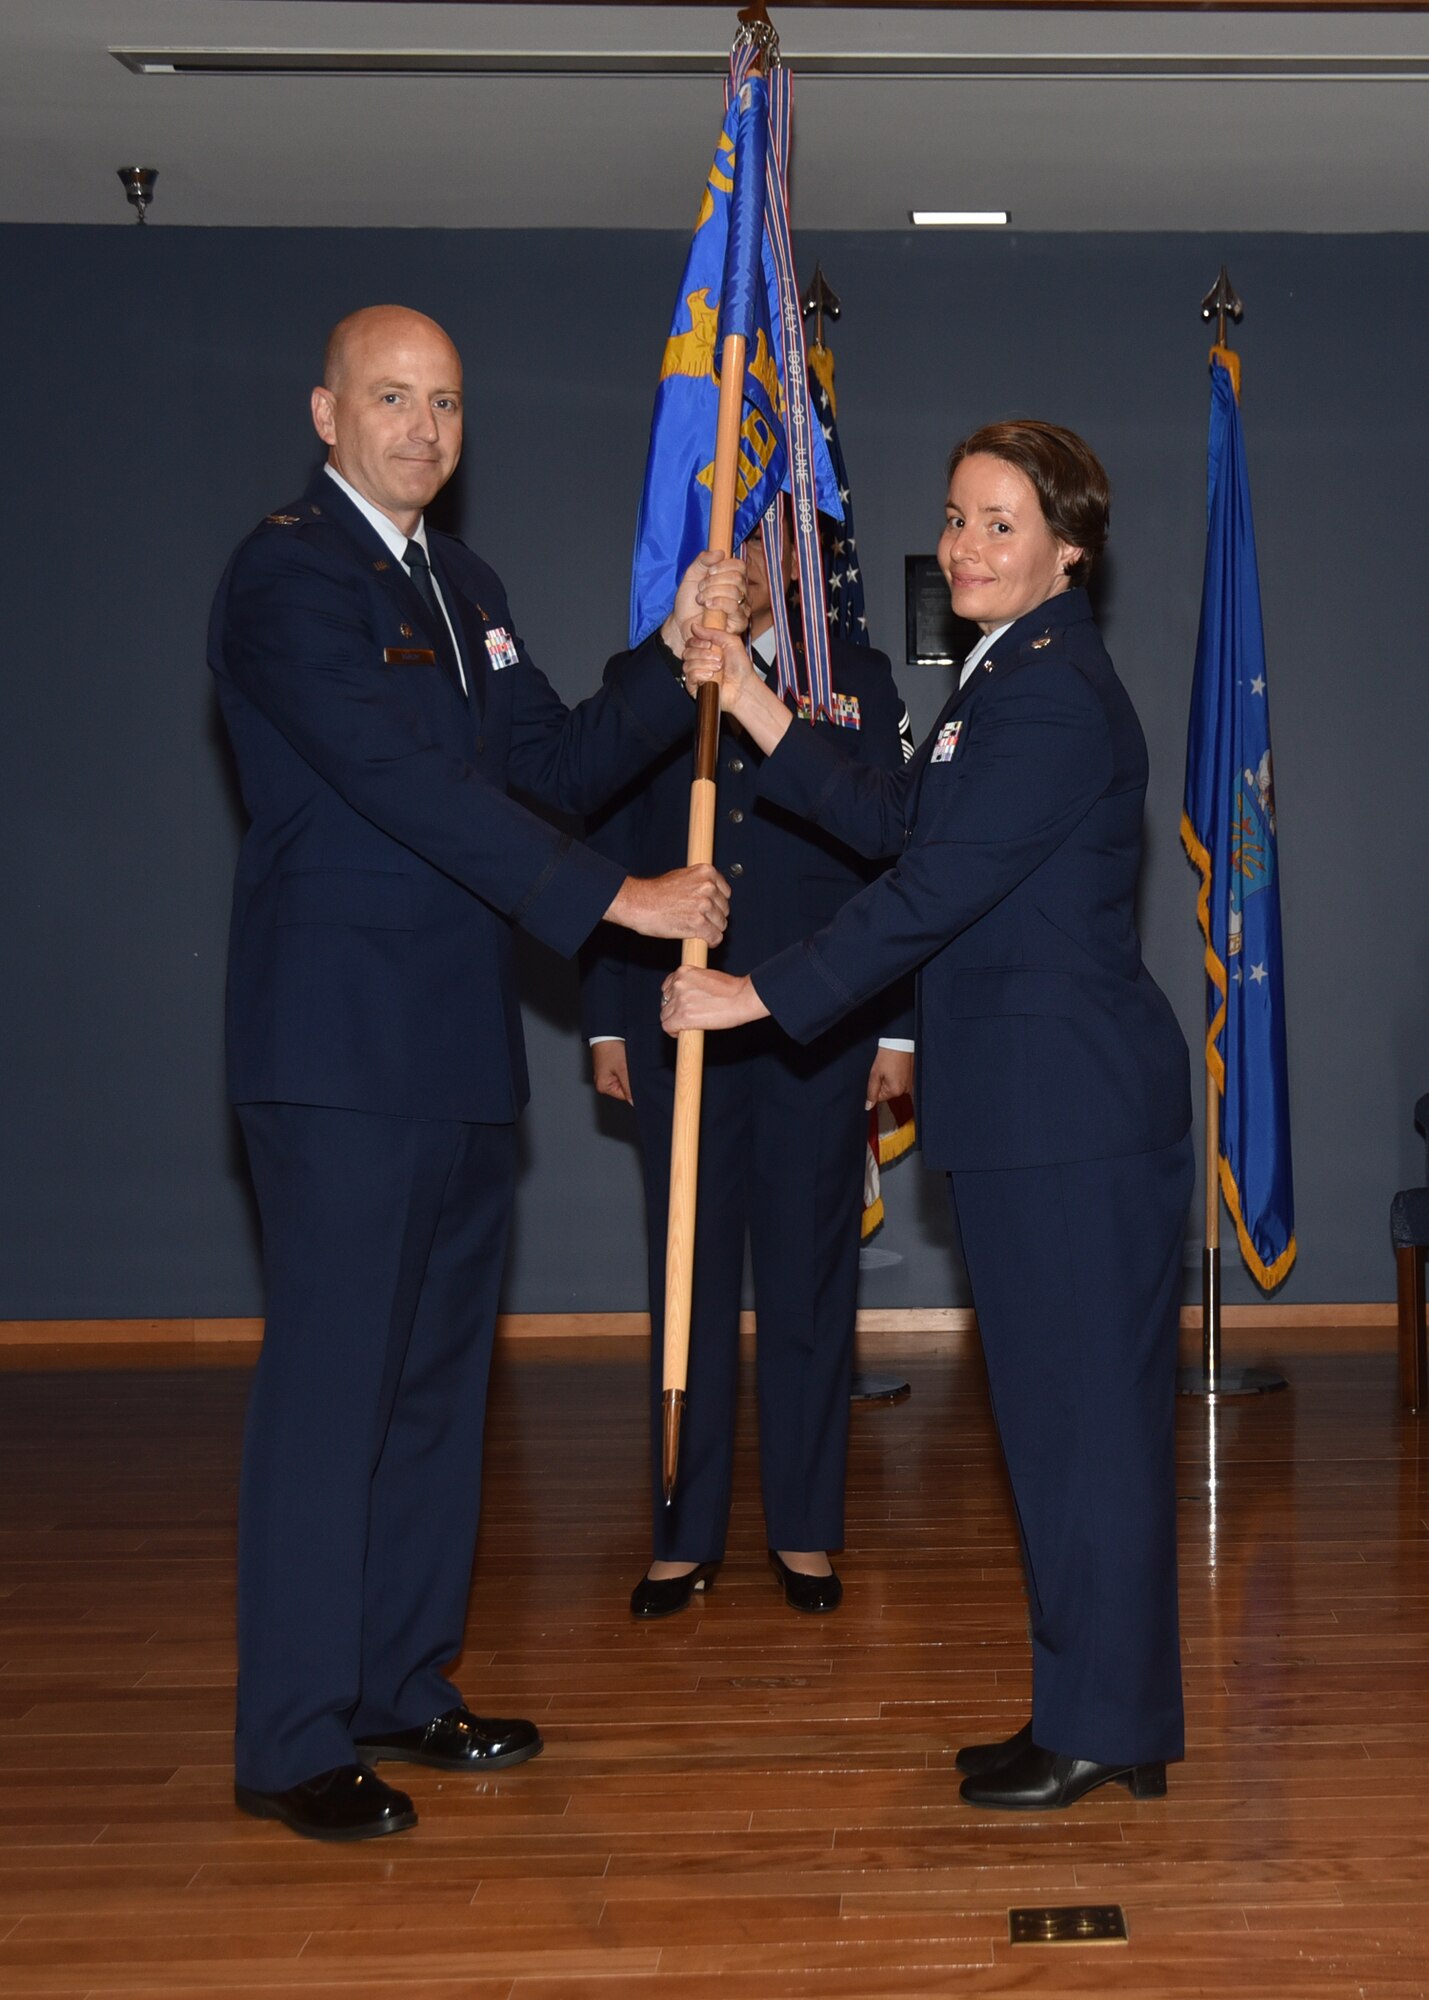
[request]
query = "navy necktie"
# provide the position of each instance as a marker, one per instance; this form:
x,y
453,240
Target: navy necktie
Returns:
x,y
420,570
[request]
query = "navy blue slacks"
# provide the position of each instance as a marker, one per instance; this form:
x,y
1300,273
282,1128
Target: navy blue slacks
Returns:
x,y
782,1137
383,1243
1076,1277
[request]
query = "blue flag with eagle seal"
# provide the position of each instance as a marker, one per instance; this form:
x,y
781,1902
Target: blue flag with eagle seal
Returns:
x,y
1228,829
738,278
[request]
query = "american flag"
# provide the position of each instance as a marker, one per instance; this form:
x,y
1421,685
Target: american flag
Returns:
x,y
848,618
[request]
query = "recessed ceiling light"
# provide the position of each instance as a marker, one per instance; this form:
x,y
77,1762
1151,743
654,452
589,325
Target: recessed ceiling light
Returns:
x,y
959,218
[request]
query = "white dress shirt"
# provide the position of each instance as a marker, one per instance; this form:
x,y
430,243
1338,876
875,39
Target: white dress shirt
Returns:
x,y
984,644
396,541
761,652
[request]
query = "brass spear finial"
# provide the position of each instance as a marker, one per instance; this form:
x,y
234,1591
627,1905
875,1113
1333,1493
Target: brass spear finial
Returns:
x,y
1221,301
820,299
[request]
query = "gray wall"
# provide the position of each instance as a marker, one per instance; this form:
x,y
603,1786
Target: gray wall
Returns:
x,y
158,387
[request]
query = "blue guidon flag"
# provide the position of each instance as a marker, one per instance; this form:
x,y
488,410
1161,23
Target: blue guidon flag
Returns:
x,y
1228,829
739,278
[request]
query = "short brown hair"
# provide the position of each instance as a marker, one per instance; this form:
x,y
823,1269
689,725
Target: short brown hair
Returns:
x,y
1066,475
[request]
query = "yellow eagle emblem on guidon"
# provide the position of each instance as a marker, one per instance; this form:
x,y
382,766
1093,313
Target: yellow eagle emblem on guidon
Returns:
x,y
720,180
692,354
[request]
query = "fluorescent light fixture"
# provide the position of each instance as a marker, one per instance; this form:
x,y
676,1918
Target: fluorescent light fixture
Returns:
x,y
959,218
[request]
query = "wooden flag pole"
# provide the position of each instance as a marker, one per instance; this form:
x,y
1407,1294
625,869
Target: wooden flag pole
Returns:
x,y
690,1048
755,25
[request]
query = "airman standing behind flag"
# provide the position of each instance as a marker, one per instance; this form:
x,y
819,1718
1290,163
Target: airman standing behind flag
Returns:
x,y
781,1145
777,1152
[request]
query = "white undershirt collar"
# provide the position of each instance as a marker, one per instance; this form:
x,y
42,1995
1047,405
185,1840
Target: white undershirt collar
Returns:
x,y
389,531
984,645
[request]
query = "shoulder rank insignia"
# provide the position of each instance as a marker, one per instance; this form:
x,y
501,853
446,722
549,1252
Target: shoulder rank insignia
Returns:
x,y
947,741
283,520
1040,645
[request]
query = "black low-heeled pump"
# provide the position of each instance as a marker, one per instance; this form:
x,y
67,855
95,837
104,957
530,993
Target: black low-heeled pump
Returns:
x,y
807,1593
658,1597
1037,1780
975,1760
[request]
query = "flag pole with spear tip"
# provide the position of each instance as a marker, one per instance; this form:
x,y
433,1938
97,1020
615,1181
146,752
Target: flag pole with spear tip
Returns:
x,y
1212,1380
754,26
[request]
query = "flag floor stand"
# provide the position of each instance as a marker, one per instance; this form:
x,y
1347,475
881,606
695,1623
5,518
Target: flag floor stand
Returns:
x,y
1210,1379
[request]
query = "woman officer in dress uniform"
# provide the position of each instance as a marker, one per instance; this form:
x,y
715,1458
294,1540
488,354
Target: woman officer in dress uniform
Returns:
x,y
1053,1081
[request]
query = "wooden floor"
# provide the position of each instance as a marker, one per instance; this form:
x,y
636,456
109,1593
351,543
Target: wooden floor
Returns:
x,y
738,1802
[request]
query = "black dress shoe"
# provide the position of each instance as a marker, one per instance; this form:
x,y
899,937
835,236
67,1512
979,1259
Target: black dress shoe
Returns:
x,y
1043,1781
458,1741
807,1593
977,1758
349,1803
656,1597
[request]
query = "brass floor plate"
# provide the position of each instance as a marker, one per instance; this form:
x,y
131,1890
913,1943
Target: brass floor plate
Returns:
x,y
1071,1923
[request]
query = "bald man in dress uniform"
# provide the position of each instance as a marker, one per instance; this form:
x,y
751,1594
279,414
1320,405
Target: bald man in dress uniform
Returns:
x,y
381,707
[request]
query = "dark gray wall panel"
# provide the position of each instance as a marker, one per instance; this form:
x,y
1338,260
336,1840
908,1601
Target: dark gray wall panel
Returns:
x,y
158,407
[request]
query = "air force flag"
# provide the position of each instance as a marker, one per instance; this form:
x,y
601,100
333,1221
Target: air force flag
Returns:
x,y
1228,829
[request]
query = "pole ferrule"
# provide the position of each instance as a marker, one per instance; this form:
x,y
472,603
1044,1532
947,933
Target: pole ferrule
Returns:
x,y
670,1454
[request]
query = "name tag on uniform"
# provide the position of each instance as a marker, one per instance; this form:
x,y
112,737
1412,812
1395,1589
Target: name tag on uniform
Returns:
x,y
409,656
947,741
500,647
